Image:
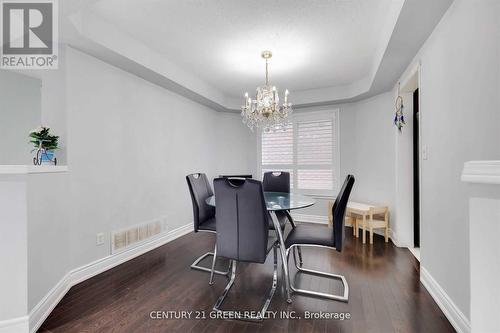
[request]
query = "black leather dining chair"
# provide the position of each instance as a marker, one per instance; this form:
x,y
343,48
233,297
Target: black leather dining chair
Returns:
x,y
276,181
279,181
203,217
320,236
243,231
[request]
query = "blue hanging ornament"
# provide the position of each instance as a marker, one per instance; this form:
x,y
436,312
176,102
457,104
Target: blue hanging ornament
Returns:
x,y
399,119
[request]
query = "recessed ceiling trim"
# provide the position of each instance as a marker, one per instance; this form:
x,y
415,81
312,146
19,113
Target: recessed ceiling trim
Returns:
x,y
414,20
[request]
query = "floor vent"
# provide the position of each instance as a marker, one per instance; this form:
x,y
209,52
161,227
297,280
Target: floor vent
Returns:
x,y
134,235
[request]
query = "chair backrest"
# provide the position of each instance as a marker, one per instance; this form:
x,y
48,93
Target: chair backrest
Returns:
x,y
242,219
200,190
276,181
338,212
235,176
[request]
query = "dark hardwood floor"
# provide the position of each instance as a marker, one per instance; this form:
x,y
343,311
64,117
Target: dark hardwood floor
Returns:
x,y
385,293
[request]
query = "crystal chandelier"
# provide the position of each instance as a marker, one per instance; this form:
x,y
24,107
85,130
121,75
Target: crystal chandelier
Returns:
x,y
265,111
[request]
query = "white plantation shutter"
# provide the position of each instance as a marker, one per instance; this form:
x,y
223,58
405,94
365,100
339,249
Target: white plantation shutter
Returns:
x,y
315,146
308,149
315,142
277,147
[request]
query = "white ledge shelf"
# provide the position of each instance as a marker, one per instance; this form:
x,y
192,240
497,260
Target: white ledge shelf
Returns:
x,y
31,169
482,172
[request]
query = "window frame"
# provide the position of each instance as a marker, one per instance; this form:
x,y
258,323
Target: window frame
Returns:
x,y
330,114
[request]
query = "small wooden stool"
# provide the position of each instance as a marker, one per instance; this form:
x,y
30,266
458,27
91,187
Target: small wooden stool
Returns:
x,y
371,217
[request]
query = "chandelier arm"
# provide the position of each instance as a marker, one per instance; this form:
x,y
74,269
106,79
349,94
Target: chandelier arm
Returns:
x,y
267,75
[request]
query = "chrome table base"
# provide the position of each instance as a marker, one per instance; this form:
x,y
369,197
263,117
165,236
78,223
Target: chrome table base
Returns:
x,y
284,262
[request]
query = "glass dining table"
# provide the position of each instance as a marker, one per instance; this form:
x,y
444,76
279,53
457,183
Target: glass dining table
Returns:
x,y
280,201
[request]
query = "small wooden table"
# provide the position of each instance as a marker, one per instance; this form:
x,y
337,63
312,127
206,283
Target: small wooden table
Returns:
x,y
368,215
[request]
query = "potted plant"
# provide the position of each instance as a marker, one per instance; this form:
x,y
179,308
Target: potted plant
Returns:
x,y
45,144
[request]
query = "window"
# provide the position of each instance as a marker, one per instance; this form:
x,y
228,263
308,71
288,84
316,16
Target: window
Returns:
x,y
308,149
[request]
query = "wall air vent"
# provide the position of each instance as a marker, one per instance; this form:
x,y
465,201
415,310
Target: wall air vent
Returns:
x,y
132,236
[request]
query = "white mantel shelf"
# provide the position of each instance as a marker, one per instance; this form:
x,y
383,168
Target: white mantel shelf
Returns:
x,y
483,172
31,169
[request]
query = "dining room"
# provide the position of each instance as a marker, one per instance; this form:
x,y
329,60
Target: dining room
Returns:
x,y
228,166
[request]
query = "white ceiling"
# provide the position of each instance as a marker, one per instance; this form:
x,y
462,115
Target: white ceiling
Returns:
x,y
315,44
325,51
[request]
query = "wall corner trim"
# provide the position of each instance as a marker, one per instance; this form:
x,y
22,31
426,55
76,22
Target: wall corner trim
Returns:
x,y
456,317
42,310
483,172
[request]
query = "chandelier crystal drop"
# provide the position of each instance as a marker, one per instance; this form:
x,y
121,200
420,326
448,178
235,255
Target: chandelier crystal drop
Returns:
x,y
265,111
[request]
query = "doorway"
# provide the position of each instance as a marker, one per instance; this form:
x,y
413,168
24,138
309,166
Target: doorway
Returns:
x,y
416,170
410,150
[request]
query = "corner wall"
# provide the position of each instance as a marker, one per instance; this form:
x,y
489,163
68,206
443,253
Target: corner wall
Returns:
x,y
371,151
460,121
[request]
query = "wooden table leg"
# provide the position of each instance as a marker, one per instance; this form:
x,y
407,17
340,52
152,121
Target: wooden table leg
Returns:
x,y
371,227
364,228
386,233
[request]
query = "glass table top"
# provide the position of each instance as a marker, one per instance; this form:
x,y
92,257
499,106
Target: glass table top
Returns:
x,y
279,201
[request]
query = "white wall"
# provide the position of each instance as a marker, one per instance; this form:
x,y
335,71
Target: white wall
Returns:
x,y
14,299
130,145
49,204
237,146
460,121
20,112
484,206
372,150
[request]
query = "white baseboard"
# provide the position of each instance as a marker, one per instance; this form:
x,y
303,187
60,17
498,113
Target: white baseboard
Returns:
x,y
457,319
42,310
394,238
16,325
415,252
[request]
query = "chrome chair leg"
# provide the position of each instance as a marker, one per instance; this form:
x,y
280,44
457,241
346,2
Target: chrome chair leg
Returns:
x,y
275,282
228,286
292,222
297,249
342,298
267,302
211,281
195,265
300,255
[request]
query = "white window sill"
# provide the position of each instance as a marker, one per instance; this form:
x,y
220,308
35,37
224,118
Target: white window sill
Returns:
x,y
317,195
31,169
